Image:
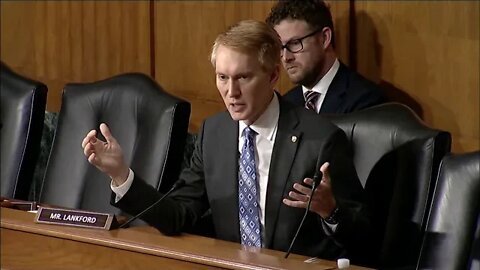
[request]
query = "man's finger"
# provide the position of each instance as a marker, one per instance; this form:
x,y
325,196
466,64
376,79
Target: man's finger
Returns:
x,y
326,173
298,196
106,133
308,181
301,188
88,149
90,137
297,204
92,158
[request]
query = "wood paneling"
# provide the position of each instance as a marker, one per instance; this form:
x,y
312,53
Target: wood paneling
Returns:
x,y
341,23
74,41
425,53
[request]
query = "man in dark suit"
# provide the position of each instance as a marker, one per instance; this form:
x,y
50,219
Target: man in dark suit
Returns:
x,y
252,166
324,84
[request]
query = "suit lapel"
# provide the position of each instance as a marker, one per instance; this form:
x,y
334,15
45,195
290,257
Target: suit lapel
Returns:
x,y
283,155
297,96
336,91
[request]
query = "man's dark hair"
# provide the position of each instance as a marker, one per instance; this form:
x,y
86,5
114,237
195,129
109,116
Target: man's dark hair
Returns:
x,y
315,12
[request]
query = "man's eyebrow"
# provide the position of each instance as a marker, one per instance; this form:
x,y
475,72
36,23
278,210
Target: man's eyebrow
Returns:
x,y
243,74
291,39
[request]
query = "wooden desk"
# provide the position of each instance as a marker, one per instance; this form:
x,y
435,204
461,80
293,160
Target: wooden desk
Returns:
x,y
28,245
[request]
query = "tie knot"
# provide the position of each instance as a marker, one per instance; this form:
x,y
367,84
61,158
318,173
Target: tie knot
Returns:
x,y
311,99
310,95
249,133
249,137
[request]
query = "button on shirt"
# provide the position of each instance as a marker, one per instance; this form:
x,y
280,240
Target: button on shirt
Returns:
x,y
322,85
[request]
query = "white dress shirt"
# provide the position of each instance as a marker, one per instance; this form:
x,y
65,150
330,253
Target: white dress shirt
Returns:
x,y
322,85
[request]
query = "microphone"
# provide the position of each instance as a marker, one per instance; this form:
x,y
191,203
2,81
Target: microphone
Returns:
x,y
175,186
317,177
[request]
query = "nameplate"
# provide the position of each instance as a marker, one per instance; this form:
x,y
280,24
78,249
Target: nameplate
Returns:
x,y
75,218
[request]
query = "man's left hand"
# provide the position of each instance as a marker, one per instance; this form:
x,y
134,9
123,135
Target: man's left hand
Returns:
x,y
323,201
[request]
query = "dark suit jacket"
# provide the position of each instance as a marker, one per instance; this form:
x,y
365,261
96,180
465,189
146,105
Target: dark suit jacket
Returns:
x,y
212,182
348,92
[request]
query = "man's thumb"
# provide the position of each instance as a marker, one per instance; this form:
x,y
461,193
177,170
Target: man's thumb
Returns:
x,y
325,171
106,133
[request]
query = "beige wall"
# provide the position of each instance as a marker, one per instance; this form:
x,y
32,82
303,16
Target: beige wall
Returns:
x,y
426,53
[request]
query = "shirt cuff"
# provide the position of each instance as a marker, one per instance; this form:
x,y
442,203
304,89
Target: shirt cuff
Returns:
x,y
121,190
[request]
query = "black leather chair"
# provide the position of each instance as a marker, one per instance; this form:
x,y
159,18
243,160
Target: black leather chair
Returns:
x,y
474,260
454,214
150,125
396,157
22,112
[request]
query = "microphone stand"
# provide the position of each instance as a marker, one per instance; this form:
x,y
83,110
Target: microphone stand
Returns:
x,y
178,184
303,219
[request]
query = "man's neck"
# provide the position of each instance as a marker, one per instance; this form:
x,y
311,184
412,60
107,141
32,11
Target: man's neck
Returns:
x,y
330,57
249,122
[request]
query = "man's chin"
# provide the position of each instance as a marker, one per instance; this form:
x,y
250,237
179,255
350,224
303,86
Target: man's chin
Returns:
x,y
236,116
295,78
245,117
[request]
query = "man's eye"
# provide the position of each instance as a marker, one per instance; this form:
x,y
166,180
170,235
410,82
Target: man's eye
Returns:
x,y
295,42
222,77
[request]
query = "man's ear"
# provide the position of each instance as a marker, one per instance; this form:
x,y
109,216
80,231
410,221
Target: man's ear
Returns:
x,y
275,75
327,37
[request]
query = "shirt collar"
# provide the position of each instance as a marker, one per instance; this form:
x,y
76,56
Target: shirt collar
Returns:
x,y
326,80
266,124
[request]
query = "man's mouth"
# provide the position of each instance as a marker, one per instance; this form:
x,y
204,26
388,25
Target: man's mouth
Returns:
x,y
236,106
291,68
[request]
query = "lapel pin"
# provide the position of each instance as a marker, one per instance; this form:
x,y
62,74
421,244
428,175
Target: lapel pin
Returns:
x,y
294,139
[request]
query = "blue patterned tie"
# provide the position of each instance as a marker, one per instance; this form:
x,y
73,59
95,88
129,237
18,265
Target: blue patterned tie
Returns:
x,y
248,193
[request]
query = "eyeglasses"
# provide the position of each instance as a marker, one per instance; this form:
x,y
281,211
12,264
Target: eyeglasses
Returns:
x,y
296,45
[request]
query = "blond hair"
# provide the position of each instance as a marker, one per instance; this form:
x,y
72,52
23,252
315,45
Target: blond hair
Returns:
x,y
248,37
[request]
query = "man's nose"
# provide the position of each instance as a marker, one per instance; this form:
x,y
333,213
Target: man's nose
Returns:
x,y
233,88
287,55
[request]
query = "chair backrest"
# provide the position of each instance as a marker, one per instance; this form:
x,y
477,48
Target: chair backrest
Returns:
x,y
149,124
454,214
396,157
23,104
474,260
